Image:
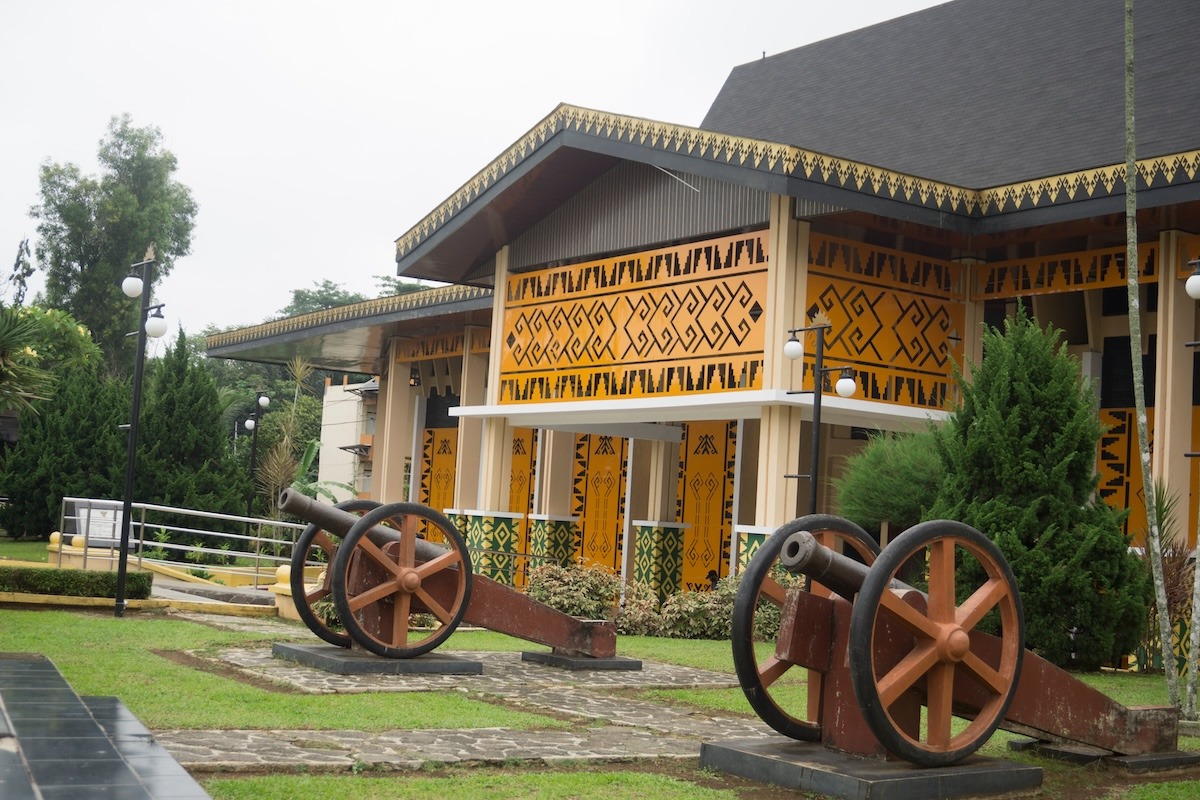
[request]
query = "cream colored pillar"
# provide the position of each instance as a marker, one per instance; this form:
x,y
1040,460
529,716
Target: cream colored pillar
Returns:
x,y
786,300
662,480
972,333
1173,373
556,472
470,429
393,430
495,445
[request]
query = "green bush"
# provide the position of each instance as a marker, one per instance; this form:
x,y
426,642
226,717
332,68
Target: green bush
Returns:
x,y
587,592
639,614
73,582
701,615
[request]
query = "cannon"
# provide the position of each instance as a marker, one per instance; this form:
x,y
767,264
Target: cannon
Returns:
x,y
894,644
381,567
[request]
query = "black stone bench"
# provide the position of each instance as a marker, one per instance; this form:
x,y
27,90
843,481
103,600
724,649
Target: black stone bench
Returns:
x,y
56,745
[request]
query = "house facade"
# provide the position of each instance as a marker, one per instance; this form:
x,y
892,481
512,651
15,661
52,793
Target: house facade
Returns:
x,y
602,378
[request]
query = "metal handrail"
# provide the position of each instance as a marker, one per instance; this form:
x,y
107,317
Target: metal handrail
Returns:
x,y
274,548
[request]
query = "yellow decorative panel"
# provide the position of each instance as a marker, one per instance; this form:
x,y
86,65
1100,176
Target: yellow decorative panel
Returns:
x,y
1065,272
599,499
897,320
706,486
674,321
438,456
883,266
1120,467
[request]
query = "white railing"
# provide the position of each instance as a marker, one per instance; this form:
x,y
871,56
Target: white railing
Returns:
x,y
261,542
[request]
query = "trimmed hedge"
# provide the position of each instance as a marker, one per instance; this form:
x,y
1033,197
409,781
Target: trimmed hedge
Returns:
x,y
73,582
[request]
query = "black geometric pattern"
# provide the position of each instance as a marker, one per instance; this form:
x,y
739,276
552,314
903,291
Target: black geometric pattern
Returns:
x,y
673,321
1065,272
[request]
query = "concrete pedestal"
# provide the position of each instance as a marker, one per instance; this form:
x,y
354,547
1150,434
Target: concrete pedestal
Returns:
x,y
343,661
811,767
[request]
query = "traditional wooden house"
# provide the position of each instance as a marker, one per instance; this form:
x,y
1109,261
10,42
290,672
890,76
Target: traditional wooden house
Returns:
x,y
603,378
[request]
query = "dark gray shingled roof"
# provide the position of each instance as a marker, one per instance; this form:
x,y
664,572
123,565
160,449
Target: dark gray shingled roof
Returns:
x,y
980,93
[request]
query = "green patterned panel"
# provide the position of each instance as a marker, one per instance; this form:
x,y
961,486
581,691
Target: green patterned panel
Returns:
x,y
552,541
493,542
658,559
748,544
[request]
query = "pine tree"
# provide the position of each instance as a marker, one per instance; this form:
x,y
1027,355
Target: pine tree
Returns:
x,y
71,446
183,454
1020,466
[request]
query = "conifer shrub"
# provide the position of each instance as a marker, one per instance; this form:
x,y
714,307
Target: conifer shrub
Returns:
x,y
1020,457
895,479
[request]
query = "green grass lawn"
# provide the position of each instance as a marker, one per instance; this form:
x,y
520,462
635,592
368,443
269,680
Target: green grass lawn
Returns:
x,y
22,550
128,658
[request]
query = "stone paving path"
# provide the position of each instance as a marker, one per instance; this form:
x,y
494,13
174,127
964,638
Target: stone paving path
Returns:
x,y
609,727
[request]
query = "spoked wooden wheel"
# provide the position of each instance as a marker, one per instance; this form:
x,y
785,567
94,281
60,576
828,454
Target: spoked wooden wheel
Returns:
x,y
317,546
761,587
383,574
906,648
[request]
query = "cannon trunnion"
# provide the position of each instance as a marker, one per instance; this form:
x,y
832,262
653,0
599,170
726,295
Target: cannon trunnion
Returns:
x,y
895,644
381,568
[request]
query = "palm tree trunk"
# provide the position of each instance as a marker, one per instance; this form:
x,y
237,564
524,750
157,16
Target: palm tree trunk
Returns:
x,y
1154,545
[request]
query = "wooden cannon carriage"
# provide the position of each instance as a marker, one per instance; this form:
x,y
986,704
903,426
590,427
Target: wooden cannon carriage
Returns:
x,y
380,565
889,666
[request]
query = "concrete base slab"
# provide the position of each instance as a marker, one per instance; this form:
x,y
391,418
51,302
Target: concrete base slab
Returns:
x,y
342,661
1078,754
1156,762
1082,754
811,767
580,662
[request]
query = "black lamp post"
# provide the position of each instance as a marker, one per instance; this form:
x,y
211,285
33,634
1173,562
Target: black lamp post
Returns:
x,y
151,322
845,386
252,425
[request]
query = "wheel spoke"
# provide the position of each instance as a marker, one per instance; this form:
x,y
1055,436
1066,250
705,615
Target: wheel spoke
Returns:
x,y
940,694
319,593
434,606
985,598
323,541
941,580
400,614
771,589
378,555
374,594
906,673
445,561
996,682
909,617
772,670
408,546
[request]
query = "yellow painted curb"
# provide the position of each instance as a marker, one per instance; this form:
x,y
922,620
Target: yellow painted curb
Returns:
x,y
78,602
153,604
225,609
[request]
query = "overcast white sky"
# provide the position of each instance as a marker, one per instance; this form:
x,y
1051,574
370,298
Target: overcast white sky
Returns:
x,y
312,135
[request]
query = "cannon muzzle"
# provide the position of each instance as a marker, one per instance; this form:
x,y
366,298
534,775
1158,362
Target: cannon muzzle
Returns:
x,y
802,554
335,520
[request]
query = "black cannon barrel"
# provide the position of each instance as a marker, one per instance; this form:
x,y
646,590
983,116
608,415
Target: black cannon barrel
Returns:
x,y
802,554
335,520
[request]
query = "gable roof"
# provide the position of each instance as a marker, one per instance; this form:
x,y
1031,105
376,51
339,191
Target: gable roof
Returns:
x,y
979,93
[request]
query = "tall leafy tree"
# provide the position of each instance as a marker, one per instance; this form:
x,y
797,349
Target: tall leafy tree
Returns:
x,y
1020,467
324,294
92,228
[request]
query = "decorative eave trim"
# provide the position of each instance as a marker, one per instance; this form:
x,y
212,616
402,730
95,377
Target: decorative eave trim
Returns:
x,y
796,162
412,301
